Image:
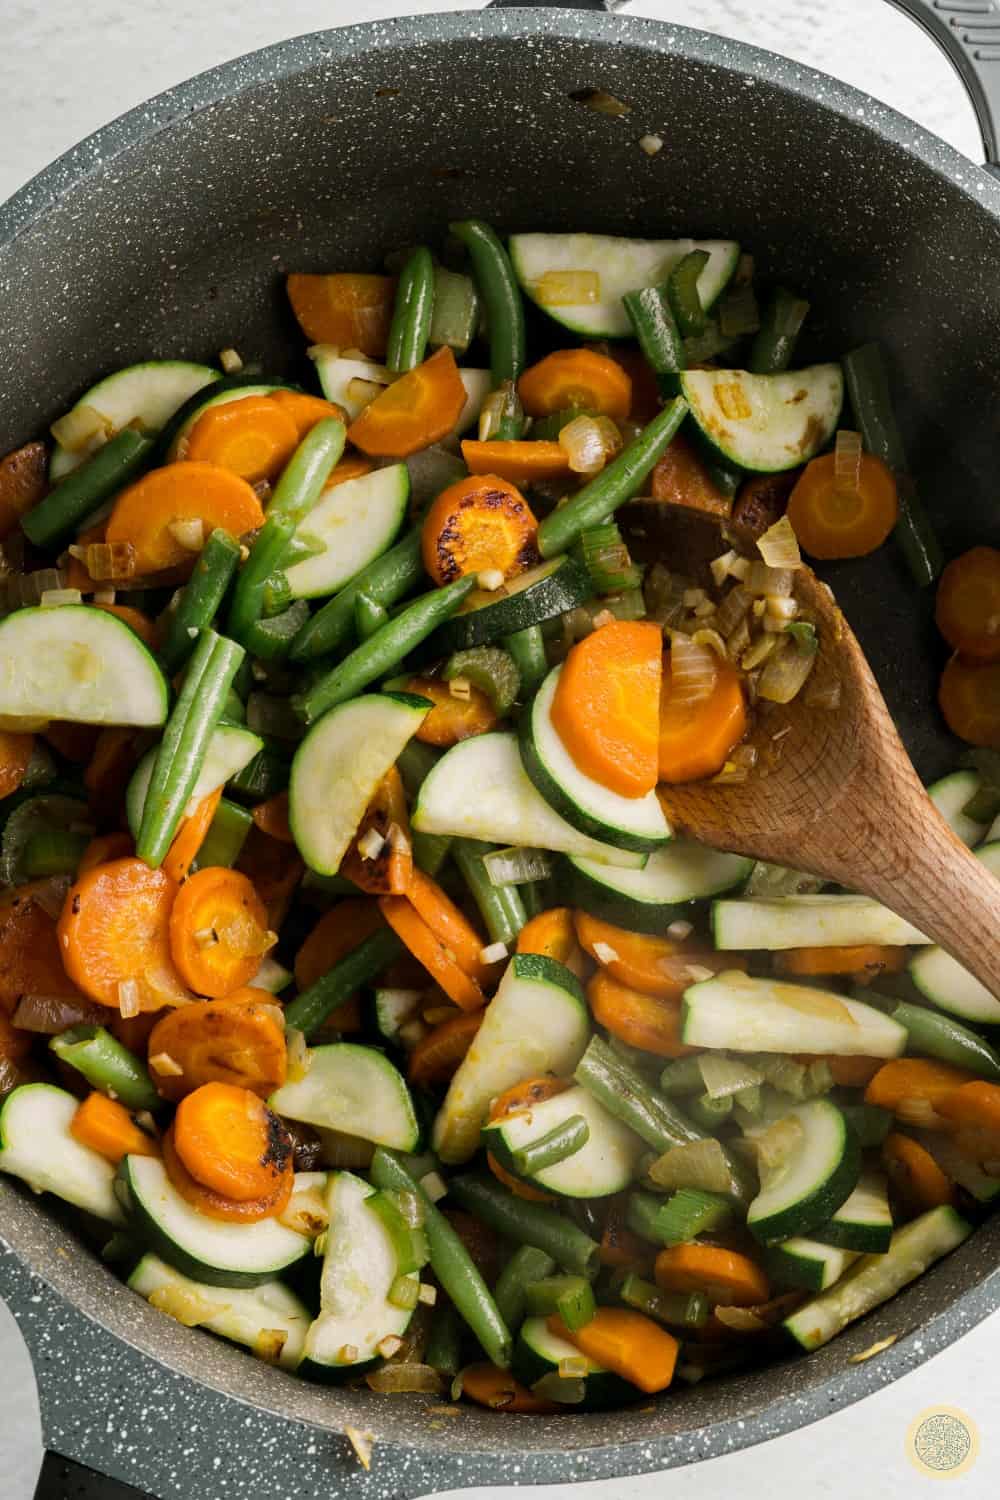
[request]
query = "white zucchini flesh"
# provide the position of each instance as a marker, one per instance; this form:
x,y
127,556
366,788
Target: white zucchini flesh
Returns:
x,y
149,393
480,790
271,976
766,423
478,384
354,522
621,265
944,981
37,1146
337,375
809,922
605,1164
813,1181
78,663
863,1221
949,796
230,749
355,1090
742,1014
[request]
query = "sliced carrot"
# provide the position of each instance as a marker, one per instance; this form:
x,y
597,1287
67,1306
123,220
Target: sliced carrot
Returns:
x,y
449,925
271,818
867,960
646,398
521,1099
497,1389
646,1021
115,931
846,1071
655,965
237,1041
218,931
253,437
917,1089
553,935
231,1143
606,705
725,1276
974,1104
525,462
479,525
337,933
215,1205
305,410
832,520
682,478
437,1055
576,377
390,870
23,482
432,953
145,512
75,742
348,309
967,610
696,738
627,1342
418,409
452,719
15,757
14,1044
969,695
275,869
914,1174
110,766
103,849
190,836
353,466
107,1127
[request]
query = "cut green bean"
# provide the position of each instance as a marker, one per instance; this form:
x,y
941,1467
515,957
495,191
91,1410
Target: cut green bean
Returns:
x,y
681,1076
106,1065
369,616
451,1262
430,850
444,1346
641,1218
532,898
234,709
685,299
620,481
502,417
271,640
676,1309
455,317
527,648
500,906
52,851
774,346
529,1223
656,329
200,599
265,558
709,1113
308,1011
117,464
525,1265
383,651
501,294
415,763
558,1144
572,1297
931,1033
306,472
277,594
411,316
227,833
385,581
625,1093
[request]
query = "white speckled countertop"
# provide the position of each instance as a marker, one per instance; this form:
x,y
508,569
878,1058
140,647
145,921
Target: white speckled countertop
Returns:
x,y
66,70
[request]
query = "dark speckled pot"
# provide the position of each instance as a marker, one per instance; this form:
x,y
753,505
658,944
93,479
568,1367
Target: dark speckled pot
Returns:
x,y
168,233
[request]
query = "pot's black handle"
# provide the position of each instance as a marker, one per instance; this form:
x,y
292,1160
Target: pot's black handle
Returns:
x,y
968,31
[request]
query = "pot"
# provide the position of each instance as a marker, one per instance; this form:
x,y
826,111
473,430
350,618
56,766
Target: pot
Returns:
x,y
167,233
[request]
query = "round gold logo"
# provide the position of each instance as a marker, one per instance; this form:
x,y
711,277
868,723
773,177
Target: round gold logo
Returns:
x,y
942,1442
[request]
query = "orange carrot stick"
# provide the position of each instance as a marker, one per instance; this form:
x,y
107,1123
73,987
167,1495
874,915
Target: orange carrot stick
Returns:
x,y
576,377
655,965
147,513
646,1021
107,1127
432,953
218,931
867,960
553,934
606,705
253,437
388,872
437,1055
479,525
525,462
449,925
915,1176
190,836
833,521
418,409
725,1276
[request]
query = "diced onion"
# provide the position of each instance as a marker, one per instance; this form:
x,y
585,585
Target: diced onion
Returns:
x,y
879,1347
604,953
299,1055
589,442
700,1164
461,687
777,1143
188,533
567,289
785,673
82,429
53,598
601,102
489,579
269,1344
104,596
389,1346
713,640
128,998
780,608
361,393
427,1294
516,866
651,144
724,1076
433,1184
680,931
741,1319
27,588
494,954
230,361
847,463
306,1212
758,653
165,1065
412,1032
362,1443
694,670
779,546
766,582
405,1378
49,1015
732,610
371,844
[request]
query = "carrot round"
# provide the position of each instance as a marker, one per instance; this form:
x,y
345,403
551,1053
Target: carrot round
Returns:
x,y
23,482
351,466
305,410
235,1041
916,1177
253,437
452,719
350,309
867,960
145,512
525,462
418,409
449,925
437,1055
682,478
107,1127
520,1099
921,1084
497,1389
606,705
969,695
218,931
576,377
553,935
479,525
216,1205
436,958
190,836
336,934
271,818
696,738
627,1342
725,1276
115,931
646,1021
967,610
15,757
655,965
275,869
231,1142
103,849
832,521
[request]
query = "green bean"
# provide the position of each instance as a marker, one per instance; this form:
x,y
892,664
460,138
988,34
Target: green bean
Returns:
x,y
685,299
677,1309
527,647
184,745
444,1346
529,1223
387,580
572,1297
500,292
106,1065
617,483
504,415
271,640
682,1075
52,851
659,337
200,598
532,898
234,709
774,344
625,1093
456,311
314,1005
415,762
384,650
525,1265
277,594
430,850
306,472
412,313
500,906
558,1144
933,1034
369,616
451,1262
227,833
265,558
111,468
710,1113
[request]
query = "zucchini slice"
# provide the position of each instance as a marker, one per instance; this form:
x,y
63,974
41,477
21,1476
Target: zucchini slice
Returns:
x,y
675,877
355,1090
816,1176
804,1262
743,1014
36,1145
537,1022
863,1221
480,790
338,766
78,663
540,594
765,423
355,522
230,749
808,922
621,265
943,980
271,976
949,796
605,1164
478,384
337,375
538,1352
149,393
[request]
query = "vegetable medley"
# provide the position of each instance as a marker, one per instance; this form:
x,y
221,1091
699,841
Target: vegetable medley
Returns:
x,y
352,985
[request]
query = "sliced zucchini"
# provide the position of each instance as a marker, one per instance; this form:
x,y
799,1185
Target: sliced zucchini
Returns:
x,y
648,900
804,1262
149,394
944,981
354,523
809,922
48,812
605,1164
863,1221
360,1265
816,1175
271,976
949,796
765,423
621,265
875,1278
207,1250
743,1014
538,1352
540,594
478,384
625,822
355,1090
537,1022
78,663
337,376
230,749
338,766
36,1145
480,790
393,1008
266,1317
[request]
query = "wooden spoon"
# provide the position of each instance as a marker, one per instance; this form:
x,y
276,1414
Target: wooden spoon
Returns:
x,y
834,793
